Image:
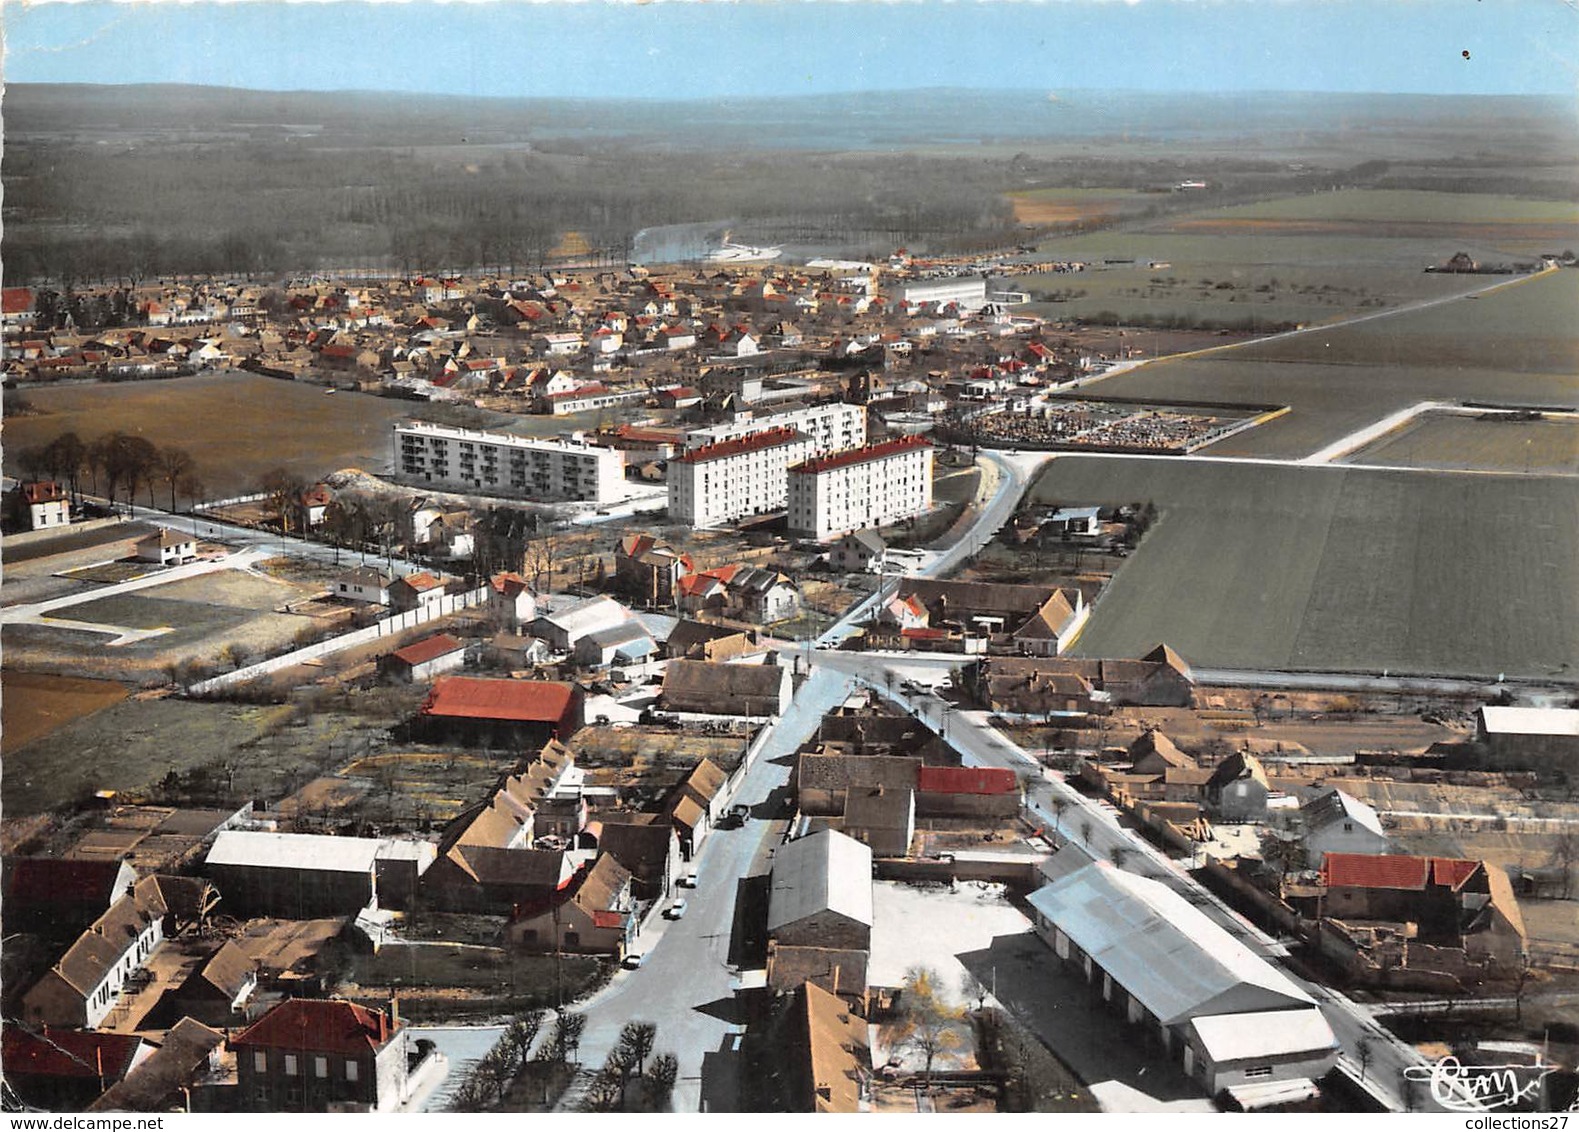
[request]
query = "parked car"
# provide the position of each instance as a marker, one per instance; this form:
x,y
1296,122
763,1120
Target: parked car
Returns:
x,y
632,961
675,910
688,881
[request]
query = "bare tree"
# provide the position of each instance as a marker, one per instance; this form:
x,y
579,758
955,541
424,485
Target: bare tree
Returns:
x,y
638,1038
661,1077
175,466
927,1023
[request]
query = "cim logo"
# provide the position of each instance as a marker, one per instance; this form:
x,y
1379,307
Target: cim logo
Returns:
x,y
1470,1088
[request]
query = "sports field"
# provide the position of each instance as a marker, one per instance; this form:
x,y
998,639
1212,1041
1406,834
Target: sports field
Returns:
x,y
1337,568
1494,442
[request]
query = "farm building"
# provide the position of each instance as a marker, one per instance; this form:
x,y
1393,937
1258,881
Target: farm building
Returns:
x,y
961,791
524,712
1520,738
827,1053
166,547
59,1069
1233,1018
1335,822
821,893
365,583
422,660
706,688
882,819
1028,686
302,875
645,845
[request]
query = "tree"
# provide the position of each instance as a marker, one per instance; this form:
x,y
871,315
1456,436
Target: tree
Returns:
x,y
973,989
565,1038
520,1034
927,1023
638,1038
606,1092
498,1068
281,487
1366,1054
661,1078
65,456
175,464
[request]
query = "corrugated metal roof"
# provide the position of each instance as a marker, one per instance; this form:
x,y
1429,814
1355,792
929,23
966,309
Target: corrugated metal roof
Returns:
x,y
1160,948
318,852
821,871
1277,1033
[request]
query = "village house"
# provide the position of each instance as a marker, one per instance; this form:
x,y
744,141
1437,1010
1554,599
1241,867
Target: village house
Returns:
x,y
695,805
510,601
821,893
1238,789
700,687
598,917
993,793
829,1054
858,552
1335,822
364,583
648,571
324,1055
217,993
167,548
421,661
85,985
415,592
1036,686
182,1073
39,505
696,640
1033,620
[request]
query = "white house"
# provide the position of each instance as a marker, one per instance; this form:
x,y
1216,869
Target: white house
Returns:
x,y
365,583
167,547
43,504
1335,822
510,600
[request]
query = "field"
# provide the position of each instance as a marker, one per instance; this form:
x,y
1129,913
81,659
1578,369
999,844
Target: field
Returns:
x,y
1259,567
33,705
1512,346
1300,260
1047,207
1498,443
230,423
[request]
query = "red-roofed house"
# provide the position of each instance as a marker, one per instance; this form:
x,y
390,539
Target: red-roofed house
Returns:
x,y
528,711
960,791
65,1070
510,600
597,917
40,504
16,306
415,591
319,1055
423,660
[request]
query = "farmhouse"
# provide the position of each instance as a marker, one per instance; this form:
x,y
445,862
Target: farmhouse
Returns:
x,y
58,1069
710,688
414,592
597,918
1029,686
829,1054
1232,1017
821,893
1032,620
858,551
1335,822
959,791
189,1053
510,600
648,571
527,712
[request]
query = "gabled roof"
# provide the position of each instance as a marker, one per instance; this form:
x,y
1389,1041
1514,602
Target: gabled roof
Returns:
x,y
175,1064
429,648
706,779
823,871
229,970
418,583
1160,948
33,881
1395,871
1333,806
1240,764
644,849
1154,746
313,1025
837,1056
53,1052
519,701
966,780
102,946
1164,654
600,889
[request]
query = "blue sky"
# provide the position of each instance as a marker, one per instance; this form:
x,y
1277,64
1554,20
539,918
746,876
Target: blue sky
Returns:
x,y
689,49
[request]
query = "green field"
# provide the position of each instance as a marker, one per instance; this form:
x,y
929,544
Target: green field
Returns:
x,y
1385,206
1452,441
1330,568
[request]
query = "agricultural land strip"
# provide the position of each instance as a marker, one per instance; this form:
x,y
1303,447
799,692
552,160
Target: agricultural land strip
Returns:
x,y
36,704
1466,440
1253,566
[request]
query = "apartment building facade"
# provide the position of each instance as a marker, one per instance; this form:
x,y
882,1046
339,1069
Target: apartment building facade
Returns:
x,y
735,479
519,467
828,428
864,487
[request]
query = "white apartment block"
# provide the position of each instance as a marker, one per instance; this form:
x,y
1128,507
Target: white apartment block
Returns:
x,y
735,479
865,487
496,463
970,294
829,428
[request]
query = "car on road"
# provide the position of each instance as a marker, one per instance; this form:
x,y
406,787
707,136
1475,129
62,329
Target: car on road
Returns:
x,y
675,910
633,961
688,881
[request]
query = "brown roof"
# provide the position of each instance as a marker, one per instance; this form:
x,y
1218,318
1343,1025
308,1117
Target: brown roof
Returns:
x,y
873,807
176,1063
98,949
1155,746
836,970
1050,619
719,685
511,867
281,946
229,970
842,772
989,598
314,1025
706,779
643,849
686,813
836,1054
601,885
1239,765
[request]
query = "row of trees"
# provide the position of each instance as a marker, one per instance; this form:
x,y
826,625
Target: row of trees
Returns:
x,y
627,1063
113,462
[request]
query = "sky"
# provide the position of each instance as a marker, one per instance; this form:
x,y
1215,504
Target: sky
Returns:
x,y
694,49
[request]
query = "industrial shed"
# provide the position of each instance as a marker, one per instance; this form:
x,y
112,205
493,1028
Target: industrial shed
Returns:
x,y
1232,1017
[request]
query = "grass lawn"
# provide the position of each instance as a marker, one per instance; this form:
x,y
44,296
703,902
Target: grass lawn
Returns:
x,y
1337,568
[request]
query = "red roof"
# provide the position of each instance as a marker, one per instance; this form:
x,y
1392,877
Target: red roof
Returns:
x,y
54,1052
522,701
319,1026
768,438
509,584
43,491
421,583
1360,870
429,648
877,451
966,780
606,919
924,633
16,300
